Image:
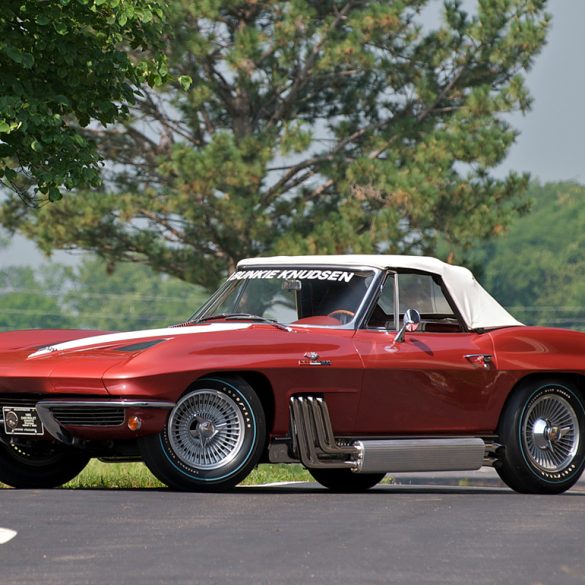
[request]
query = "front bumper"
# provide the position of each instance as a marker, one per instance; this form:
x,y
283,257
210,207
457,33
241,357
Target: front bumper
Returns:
x,y
71,421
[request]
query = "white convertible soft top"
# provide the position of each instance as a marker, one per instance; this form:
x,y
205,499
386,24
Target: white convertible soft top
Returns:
x,y
477,307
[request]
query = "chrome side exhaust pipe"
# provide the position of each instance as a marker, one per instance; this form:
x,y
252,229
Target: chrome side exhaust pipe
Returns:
x,y
313,438
420,455
314,443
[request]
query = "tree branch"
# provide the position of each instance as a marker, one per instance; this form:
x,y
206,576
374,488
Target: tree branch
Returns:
x,y
285,105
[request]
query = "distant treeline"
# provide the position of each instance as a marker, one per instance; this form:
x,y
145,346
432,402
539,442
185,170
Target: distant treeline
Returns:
x,y
537,269
89,296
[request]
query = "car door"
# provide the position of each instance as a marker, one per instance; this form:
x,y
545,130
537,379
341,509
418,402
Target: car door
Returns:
x,y
439,379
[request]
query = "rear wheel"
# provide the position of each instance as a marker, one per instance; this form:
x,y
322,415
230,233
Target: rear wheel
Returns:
x,y
213,438
543,433
345,480
39,465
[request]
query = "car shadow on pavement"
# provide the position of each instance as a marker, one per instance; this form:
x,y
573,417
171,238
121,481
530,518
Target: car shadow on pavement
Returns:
x,y
314,489
386,490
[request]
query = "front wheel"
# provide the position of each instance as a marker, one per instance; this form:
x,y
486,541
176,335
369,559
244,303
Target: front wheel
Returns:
x,y
213,438
39,465
543,433
345,480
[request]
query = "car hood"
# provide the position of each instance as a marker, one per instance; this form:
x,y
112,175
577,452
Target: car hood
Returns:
x,y
75,361
128,340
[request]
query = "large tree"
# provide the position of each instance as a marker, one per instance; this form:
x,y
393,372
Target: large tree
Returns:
x,y
63,65
312,126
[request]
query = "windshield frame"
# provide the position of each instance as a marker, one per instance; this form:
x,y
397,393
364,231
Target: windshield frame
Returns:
x,y
363,307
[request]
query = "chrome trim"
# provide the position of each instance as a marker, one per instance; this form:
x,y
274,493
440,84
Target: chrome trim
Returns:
x,y
396,302
414,455
108,403
52,426
411,318
491,453
57,431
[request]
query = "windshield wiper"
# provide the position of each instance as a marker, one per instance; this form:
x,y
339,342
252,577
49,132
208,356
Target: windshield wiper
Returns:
x,y
218,316
244,317
251,317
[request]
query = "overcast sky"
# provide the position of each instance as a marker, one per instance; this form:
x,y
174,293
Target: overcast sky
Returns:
x,y
552,137
553,133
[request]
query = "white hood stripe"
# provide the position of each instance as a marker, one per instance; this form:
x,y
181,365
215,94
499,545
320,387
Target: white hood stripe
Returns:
x,y
109,338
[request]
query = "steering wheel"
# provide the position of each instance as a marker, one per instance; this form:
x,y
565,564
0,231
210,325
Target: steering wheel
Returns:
x,y
345,315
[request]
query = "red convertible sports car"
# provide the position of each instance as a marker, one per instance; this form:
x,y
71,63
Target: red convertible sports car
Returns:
x,y
354,366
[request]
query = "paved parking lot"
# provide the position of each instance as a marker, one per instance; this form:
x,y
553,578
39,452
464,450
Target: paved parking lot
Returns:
x,y
293,535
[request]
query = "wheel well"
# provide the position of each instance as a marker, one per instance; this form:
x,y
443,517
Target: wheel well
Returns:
x,y
261,385
577,380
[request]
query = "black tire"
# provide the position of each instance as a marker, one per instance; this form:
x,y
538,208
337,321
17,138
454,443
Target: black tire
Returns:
x,y
345,480
543,434
192,453
42,465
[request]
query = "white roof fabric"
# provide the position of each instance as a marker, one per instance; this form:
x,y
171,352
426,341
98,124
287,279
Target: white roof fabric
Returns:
x,y
478,308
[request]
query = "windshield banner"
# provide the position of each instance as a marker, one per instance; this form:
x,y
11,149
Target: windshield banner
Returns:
x,y
335,275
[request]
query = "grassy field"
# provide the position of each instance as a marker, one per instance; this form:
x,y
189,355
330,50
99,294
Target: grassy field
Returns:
x,y
136,475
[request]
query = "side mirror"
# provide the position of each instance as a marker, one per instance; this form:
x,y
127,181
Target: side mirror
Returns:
x,y
410,323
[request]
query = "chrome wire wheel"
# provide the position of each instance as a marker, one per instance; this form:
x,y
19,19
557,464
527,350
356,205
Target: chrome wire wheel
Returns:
x,y
541,432
214,436
206,429
551,433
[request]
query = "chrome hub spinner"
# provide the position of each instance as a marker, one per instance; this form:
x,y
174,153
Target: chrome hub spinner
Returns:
x,y
203,429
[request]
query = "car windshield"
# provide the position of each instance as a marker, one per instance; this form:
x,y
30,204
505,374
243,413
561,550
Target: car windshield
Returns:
x,y
308,296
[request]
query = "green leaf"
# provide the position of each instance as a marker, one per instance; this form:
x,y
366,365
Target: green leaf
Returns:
x,y
13,53
61,28
79,140
54,194
28,60
62,100
185,81
4,127
42,19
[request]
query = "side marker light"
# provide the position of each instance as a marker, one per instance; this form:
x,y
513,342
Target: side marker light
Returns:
x,y
134,423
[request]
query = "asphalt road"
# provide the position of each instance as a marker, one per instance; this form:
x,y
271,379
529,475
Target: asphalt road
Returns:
x,y
292,535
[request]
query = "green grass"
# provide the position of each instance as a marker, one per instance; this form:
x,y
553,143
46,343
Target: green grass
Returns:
x,y
114,476
137,476
277,472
